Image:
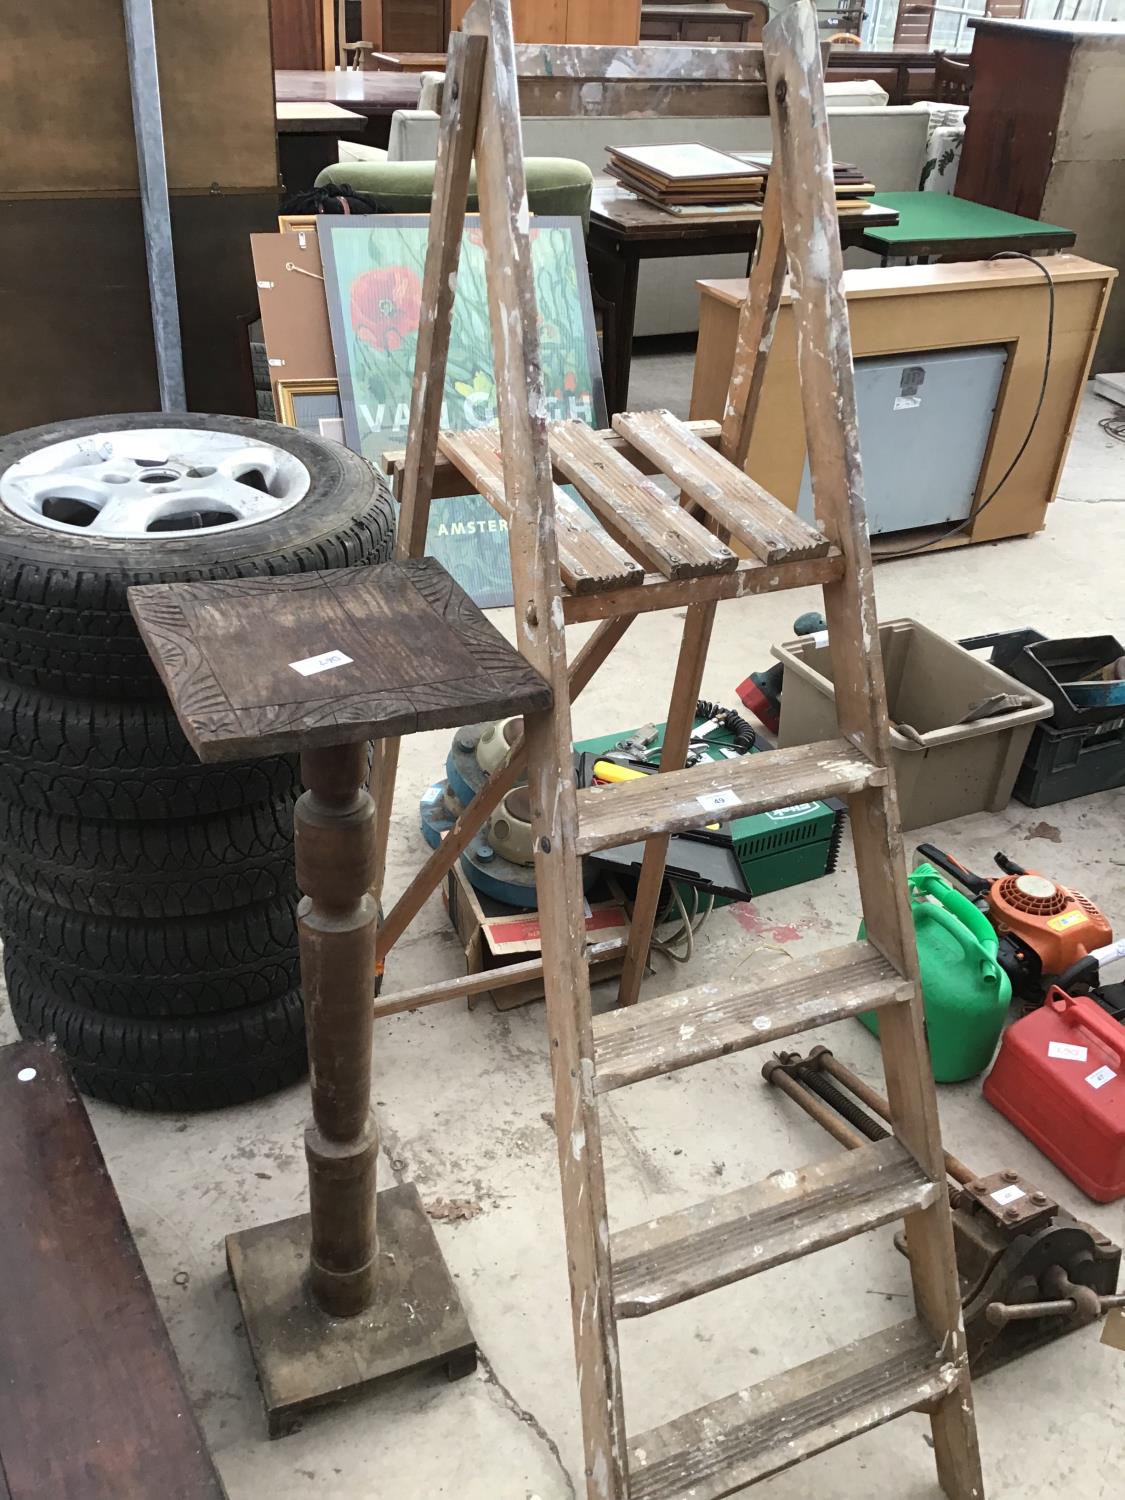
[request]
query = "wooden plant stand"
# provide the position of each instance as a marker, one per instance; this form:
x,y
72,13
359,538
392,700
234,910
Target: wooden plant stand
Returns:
x,y
357,1289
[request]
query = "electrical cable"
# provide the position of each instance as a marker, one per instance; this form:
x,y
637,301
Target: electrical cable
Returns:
x,y
690,924
1114,427
1007,474
745,737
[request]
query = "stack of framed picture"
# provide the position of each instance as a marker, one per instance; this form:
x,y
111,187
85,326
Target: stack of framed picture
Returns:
x,y
340,299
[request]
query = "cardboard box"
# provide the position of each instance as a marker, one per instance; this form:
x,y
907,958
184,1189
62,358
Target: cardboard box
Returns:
x,y
495,936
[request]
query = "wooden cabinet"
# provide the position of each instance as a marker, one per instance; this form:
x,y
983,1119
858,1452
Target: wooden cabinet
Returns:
x,y
414,26
610,23
704,23
905,309
1043,138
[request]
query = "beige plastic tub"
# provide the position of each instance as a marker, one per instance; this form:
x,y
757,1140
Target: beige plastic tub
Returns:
x,y
931,684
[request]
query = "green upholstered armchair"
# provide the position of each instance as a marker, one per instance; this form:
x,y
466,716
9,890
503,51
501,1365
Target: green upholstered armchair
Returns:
x,y
556,187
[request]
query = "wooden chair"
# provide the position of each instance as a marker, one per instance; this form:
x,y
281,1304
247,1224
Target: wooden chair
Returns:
x,y
953,81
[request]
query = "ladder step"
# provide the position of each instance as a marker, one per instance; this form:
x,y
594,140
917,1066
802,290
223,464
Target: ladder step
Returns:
x,y
770,530
674,801
637,512
734,1442
589,559
712,1020
790,1214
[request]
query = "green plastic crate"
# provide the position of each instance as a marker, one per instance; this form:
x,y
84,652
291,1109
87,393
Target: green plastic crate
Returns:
x,y
775,849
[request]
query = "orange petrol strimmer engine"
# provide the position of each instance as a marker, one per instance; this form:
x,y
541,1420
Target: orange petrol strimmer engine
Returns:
x,y
1045,929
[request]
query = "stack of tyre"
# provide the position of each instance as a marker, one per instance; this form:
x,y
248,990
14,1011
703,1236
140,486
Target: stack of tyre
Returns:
x,y
147,902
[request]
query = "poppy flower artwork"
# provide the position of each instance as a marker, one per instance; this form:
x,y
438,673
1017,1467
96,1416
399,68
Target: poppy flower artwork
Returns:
x,y
386,305
374,268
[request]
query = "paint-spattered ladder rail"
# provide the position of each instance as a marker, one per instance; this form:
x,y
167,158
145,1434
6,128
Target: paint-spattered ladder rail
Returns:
x,y
640,546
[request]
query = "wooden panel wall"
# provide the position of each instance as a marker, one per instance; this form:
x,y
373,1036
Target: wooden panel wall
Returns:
x,y
297,34
614,24
66,120
73,282
611,23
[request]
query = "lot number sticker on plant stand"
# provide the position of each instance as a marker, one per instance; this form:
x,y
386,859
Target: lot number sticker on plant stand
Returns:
x,y
310,665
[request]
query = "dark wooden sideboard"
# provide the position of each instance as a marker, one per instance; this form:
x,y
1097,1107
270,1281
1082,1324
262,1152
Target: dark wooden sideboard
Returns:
x,y
906,76
703,23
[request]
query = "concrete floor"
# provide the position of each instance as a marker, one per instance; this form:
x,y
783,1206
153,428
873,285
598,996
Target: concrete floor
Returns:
x,y
462,1099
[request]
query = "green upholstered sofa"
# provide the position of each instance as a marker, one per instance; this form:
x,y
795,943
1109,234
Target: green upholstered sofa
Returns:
x,y
556,187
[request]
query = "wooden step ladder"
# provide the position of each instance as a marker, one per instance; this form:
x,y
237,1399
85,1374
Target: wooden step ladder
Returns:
x,y
641,551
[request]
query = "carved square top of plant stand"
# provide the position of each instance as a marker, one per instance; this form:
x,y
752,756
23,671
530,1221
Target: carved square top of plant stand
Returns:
x,y
261,666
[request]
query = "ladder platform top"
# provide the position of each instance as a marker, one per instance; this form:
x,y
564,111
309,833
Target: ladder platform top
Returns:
x,y
770,530
636,525
266,666
589,558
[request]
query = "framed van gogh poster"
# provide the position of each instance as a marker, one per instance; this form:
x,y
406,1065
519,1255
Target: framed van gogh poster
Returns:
x,y
373,267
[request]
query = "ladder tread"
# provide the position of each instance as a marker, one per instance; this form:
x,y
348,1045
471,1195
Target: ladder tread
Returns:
x,y
737,1441
750,513
589,559
634,509
713,1020
675,801
788,1215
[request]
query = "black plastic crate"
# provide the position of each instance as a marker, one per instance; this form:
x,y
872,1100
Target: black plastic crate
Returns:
x,y
1065,763
1057,669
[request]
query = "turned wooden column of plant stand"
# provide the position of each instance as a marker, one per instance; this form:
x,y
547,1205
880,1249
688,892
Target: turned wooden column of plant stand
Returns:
x,y
355,1290
336,923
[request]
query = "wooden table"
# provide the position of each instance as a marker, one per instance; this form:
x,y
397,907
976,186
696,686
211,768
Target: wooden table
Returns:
x,y
375,96
405,62
306,140
930,224
624,230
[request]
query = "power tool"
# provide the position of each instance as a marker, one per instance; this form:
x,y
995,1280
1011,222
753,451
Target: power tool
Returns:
x,y
761,691
1045,929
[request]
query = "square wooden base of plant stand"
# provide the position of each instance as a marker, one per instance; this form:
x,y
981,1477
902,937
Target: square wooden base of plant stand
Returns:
x,y
306,1359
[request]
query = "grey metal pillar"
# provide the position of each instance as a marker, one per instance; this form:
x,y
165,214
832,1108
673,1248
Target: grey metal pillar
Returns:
x,y
148,125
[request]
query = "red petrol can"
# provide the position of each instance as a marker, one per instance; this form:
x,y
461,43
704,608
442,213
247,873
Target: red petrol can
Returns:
x,y
1060,1078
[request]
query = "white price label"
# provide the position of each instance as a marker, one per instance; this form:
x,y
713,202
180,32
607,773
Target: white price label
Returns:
x,y
907,403
1099,1079
1068,1051
716,801
322,663
1007,1195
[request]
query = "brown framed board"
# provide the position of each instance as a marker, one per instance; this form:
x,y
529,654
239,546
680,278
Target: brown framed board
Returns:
x,y
291,300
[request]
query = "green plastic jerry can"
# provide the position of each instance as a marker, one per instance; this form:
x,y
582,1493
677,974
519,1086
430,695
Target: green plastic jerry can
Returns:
x,y
965,992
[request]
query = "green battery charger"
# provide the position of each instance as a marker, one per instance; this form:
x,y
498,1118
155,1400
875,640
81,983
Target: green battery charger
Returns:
x,y
775,849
